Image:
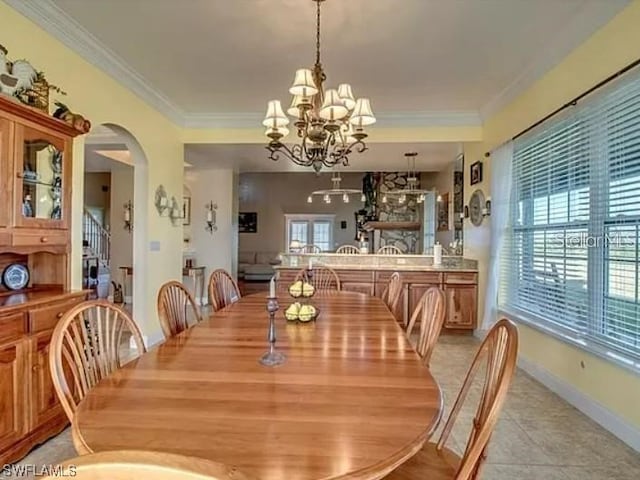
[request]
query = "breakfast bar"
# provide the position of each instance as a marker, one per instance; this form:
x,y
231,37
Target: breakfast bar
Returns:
x,y
456,276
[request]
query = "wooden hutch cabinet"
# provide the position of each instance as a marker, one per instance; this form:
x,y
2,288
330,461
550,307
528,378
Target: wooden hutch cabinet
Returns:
x,y
35,208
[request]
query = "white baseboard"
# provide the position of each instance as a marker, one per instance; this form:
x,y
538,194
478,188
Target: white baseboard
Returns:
x,y
587,405
153,340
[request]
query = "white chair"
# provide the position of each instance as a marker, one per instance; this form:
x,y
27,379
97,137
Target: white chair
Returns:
x,y
348,250
389,250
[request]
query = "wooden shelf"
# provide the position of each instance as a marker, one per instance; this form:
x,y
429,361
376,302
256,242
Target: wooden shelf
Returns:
x,y
369,226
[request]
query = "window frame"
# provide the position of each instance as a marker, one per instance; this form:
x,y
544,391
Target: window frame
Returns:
x,y
310,219
598,134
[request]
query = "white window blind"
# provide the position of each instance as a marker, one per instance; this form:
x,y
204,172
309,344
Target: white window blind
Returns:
x,y
571,257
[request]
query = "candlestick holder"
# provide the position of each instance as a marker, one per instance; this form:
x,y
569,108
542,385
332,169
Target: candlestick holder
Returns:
x,y
272,358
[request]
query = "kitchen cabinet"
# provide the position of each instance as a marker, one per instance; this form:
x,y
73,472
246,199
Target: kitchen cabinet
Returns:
x,y
460,288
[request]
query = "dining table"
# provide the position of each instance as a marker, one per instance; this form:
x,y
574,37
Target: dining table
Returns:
x,y
352,399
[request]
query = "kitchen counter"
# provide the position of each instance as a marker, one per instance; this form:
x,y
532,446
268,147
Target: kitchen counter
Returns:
x,y
457,277
399,263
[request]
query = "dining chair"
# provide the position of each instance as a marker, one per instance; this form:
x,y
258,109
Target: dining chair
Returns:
x,y
87,345
496,362
323,278
389,250
176,307
431,312
348,250
223,289
393,292
136,465
310,249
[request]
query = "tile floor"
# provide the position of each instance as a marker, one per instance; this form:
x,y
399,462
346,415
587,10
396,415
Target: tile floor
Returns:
x,y
538,437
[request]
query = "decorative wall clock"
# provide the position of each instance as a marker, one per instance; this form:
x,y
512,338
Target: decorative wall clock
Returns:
x,y
476,204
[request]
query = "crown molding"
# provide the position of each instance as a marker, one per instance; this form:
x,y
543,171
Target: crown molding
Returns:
x,y
587,20
385,119
48,16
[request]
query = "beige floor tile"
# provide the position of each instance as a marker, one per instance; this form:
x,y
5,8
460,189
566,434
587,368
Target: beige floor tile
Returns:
x,y
601,473
521,472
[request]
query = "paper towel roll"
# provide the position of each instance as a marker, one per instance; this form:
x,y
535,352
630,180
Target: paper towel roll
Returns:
x,y
437,254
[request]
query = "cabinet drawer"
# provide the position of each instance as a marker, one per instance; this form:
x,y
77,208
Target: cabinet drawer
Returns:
x,y
365,287
468,278
46,318
12,327
417,277
355,276
5,239
27,239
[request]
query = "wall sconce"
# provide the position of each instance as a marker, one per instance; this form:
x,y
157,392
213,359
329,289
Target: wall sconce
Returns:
x,y
486,211
128,213
211,217
161,200
175,212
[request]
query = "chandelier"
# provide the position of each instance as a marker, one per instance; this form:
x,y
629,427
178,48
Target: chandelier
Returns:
x,y
330,124
335,190
412,183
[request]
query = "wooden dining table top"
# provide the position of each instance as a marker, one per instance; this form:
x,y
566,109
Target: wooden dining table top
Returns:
x,y
352,401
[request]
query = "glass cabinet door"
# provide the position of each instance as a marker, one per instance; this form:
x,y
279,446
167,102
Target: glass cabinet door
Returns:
x,y
40,166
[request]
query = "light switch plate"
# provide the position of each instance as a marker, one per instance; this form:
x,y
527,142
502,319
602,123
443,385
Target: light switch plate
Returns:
x,y
154,246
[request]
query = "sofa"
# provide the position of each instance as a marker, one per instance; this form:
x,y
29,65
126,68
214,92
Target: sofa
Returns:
x,y
257,266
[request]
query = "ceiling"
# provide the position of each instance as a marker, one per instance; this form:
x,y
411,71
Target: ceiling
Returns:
x,y
227,58
381,157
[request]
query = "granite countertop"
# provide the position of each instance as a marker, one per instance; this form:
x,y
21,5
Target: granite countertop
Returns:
x,y
402,263
394,268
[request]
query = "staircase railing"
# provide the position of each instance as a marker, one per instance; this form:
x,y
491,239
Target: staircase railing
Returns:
x,y
97,236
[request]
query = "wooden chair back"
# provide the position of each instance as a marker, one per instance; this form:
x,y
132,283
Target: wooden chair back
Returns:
x,y
496,358
176,308
86,346
223,289
393,292
136,465
431,312
348,250
310,249
321,277
389,250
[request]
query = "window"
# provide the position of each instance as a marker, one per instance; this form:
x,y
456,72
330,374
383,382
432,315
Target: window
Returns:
x,y
311,230
571,260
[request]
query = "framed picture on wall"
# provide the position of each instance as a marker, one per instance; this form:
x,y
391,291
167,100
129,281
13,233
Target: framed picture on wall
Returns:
x,y
475,172
248,222
443,212
186,210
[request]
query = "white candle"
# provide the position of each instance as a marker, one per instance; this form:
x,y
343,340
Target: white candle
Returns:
x,y
127,215
164,201
209,216
310,264
272,287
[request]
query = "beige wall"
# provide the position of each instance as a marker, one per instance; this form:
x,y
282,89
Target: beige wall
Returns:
x,y
272,195
121,239
94,196
217,249
607,386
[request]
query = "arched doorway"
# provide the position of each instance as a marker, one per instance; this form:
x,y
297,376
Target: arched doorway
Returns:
x,y
117,143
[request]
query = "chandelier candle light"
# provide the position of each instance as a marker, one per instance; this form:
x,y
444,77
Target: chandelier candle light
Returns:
x,y
335,190
412,183
330,124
